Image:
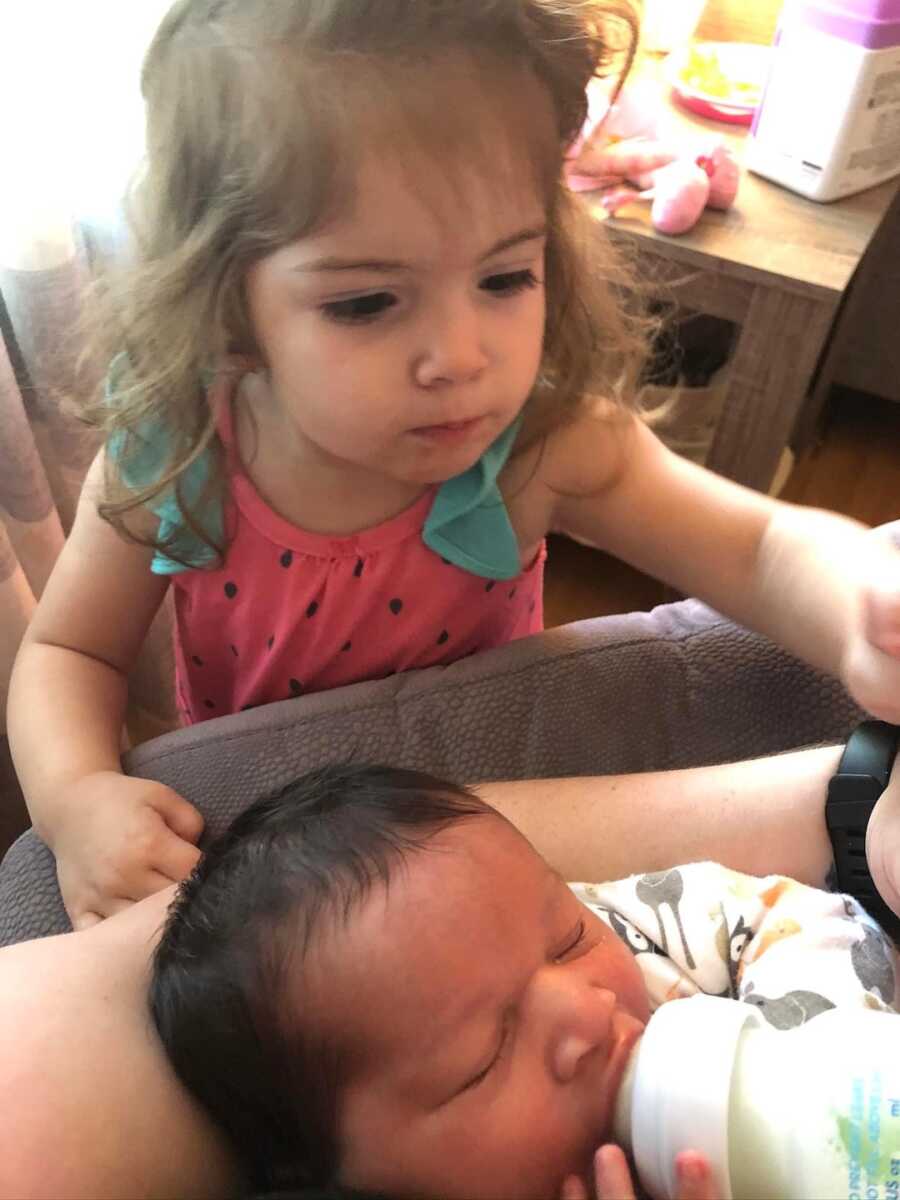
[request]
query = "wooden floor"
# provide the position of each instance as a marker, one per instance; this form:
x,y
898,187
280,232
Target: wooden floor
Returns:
x,y
854,469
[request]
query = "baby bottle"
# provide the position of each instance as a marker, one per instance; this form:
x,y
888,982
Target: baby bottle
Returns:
x,y
811,1113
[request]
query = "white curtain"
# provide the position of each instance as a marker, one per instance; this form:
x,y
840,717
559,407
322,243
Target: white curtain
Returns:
x,y
71,134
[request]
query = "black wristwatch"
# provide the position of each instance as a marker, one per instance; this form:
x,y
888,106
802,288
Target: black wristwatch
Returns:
x,y
862,775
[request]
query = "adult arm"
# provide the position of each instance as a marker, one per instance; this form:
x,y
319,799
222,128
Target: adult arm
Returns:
x,y
91,1108
765,816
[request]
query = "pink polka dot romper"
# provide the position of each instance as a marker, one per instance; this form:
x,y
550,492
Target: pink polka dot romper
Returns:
x,y
292,612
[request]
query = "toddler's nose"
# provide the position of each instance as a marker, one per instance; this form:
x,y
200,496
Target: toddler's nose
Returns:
x,y
454,351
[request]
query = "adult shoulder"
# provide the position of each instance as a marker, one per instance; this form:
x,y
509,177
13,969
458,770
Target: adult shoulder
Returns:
x,y
91,1108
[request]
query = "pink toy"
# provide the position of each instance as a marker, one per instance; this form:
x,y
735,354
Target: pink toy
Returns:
x,y
626,146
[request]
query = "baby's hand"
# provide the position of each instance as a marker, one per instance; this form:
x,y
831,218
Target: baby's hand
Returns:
x,y
871,668
124,839
612,1179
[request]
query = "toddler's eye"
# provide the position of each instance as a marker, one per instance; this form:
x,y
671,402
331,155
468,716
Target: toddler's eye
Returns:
x,y
509,282
359,309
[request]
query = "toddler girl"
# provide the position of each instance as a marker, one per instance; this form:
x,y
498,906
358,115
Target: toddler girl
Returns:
x,y
367,357
373,981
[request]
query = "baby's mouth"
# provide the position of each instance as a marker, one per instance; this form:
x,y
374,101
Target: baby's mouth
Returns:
x,y
627,1031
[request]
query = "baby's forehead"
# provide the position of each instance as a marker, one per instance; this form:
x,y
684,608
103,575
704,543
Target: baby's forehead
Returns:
x,y
443,937
477,879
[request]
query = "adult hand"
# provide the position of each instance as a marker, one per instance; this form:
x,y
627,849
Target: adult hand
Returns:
x,y
612,1178
883,842
122,839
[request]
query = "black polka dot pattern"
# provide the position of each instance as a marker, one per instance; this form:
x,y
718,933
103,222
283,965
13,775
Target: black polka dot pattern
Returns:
x,y
386,623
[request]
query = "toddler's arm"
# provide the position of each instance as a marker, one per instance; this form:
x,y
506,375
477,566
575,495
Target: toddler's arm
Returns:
x,y
115,839
819,584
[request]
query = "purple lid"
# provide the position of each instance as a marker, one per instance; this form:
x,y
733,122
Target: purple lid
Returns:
x,y
873,24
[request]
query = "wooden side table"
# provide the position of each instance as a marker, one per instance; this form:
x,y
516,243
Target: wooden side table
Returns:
x,y
776,264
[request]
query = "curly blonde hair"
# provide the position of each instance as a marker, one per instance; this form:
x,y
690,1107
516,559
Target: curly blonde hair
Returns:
x,y
258,112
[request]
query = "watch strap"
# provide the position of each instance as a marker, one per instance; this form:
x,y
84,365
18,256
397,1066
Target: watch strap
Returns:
x,y
862,775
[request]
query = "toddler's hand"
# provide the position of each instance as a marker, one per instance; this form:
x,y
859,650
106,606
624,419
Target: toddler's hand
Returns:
x,y
612,1178
871,668
124,839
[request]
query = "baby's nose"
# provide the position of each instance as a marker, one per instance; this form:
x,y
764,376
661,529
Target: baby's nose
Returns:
x,y
583,1028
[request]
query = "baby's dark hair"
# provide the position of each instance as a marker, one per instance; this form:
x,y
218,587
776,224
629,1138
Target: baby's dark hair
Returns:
x,y
226,991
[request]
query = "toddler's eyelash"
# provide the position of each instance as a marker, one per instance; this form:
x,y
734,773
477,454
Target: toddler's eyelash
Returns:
x,y
359,309
508,283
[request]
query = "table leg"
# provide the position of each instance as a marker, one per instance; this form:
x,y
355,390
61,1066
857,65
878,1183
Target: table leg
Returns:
x,y
768,376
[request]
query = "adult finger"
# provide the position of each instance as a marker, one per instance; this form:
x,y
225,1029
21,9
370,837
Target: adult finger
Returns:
x,y
612,1178
881,613
573,1189
695,1177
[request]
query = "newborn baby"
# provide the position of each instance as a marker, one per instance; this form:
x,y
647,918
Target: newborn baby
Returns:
x,y
373,981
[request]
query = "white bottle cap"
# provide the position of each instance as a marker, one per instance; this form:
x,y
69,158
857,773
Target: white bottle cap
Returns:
x,y
682,1085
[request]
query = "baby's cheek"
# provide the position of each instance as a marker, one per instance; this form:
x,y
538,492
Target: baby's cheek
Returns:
x,y
618,970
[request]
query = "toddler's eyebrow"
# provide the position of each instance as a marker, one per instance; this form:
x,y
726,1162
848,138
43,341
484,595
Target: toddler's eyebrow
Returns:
x,y
333,263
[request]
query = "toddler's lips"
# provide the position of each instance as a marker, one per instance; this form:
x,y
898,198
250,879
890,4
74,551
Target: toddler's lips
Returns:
x,y
450,431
